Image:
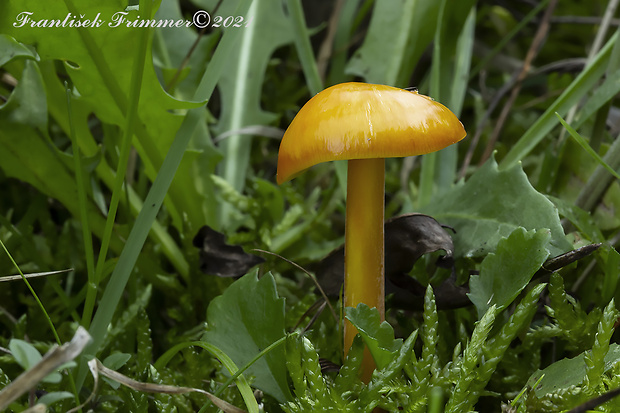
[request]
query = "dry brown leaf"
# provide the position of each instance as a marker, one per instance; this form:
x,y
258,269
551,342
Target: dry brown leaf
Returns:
x,y
33,275
221,259
97,368
53,359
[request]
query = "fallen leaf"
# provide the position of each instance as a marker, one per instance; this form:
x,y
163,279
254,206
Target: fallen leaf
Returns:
x,y
97,368
33,275
54,358
407,238
219,258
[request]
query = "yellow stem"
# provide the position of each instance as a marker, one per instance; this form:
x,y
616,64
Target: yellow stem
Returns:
x,y
364,256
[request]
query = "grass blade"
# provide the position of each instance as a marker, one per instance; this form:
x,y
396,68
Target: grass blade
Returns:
x,y
304,48
117,191
582,142
155,198
577,90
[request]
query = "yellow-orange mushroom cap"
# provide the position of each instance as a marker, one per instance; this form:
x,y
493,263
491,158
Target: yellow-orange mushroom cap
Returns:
x,y
363,121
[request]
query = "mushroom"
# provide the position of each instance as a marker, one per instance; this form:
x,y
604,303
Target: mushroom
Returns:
x,y
364,124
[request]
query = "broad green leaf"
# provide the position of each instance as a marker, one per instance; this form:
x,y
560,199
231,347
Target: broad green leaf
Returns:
x,y
241,85
247,318
25,105
12,49
568,372
378,336
506,272
490,206
53,397
25,354
99,61
28,155
116,361
147,217
170,49
399,32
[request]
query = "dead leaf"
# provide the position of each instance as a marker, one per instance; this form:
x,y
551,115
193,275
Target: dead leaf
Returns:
x,y
53,359
37,408
407,238
33,275
221,259
96,369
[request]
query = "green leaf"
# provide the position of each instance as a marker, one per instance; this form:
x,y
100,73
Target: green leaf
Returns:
x,y
53,397
247,318
26,153
399,32
580,87
25,354
241,85
116,361
12,49
586,147
490,206
568,372
99,63
146,219
378,336
506,272
461,400
611,260
581,219
25,106
595,357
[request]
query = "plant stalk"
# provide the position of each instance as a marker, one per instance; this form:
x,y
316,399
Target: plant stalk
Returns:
x,y
364,246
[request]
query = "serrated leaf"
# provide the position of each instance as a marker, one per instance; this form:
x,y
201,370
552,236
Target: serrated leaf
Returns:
x,y
247,318
241,85
98,62
490,206
378,336
506,272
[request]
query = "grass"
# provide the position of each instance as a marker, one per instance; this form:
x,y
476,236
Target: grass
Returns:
x,y
104,172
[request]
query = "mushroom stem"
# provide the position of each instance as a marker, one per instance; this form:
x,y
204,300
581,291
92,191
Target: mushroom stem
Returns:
x,y
364,256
